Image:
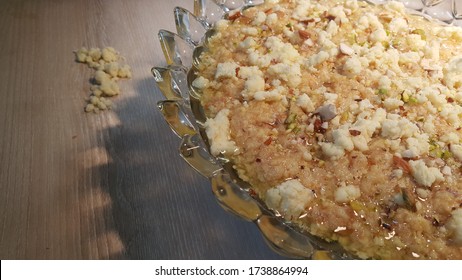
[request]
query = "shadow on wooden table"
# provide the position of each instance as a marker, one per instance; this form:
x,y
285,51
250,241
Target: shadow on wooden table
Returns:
x,y
159,207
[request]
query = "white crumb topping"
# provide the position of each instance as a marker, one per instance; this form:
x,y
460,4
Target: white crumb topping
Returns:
x,y
289,198
259,19
456,150
289,73
342,138
259,60
450,138
254,80
200,82
247,43
390,129
347,193
218,132
384,83
397,173
271,19
271,95
304,102
454,226
339,13
424,175
398,25
226,70
332,28
222,24
331,150
447,171
379,35
392,103
417,146
281,51
253,85
352,66
317,59
453,73
396,5
250,31
302,9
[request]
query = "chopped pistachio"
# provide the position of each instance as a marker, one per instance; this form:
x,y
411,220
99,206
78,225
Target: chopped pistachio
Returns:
x,y
345,116
446,154
386,44
382,91
291,118
405,96
352,39
420,32
396,42
438,152
412,99
356,206
290,26
296,129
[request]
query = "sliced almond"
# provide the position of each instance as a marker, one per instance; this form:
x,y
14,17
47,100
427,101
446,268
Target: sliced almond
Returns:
x,y
345,49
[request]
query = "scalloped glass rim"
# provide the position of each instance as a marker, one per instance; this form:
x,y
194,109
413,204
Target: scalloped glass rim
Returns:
x,y
184,114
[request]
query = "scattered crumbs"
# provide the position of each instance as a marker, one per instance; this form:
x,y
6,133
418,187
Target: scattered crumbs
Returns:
x,y
108,70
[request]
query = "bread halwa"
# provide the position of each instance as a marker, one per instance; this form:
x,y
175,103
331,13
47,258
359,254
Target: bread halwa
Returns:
x,y
345,118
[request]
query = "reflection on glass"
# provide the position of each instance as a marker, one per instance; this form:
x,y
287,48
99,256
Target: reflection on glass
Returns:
x,y
457,9
440,9
429,3
416,5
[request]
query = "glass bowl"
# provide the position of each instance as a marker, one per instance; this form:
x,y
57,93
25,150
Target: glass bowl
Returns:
x,y
182,111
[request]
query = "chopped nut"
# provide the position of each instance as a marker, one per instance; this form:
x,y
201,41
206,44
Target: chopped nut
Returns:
x,y
345,49
327,112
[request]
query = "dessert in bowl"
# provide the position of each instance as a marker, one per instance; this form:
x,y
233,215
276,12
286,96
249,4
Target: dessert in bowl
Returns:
x,y
342,118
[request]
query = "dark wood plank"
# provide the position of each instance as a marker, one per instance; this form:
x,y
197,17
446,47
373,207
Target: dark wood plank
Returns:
x,y
86,186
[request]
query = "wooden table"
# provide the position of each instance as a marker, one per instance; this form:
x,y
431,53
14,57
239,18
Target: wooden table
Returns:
x,y
98,186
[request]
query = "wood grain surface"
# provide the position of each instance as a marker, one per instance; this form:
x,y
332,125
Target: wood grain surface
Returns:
x,y
98,186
